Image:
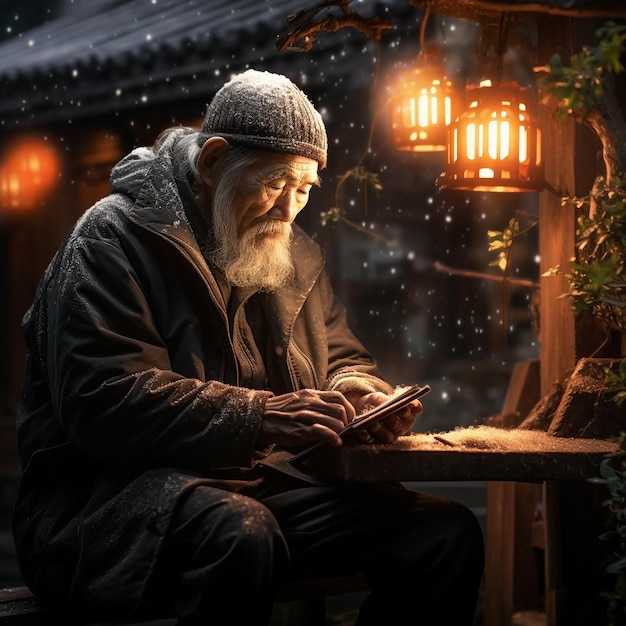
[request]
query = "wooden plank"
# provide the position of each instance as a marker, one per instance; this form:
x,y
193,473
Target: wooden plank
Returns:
x,y
511,572
522,394
577,575
476,453
13,594
529,618
488,12
511,581
18,607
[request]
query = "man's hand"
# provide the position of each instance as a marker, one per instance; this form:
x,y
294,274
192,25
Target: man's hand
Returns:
x,y
391,427
305,417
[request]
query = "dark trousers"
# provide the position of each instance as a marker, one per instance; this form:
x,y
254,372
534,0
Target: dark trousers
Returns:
x,y
227,554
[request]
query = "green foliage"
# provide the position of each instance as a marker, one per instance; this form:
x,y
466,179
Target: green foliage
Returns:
x,y
601,227
613,475
501,242
592,284
617,380
577,87
361,177
598,277
332,215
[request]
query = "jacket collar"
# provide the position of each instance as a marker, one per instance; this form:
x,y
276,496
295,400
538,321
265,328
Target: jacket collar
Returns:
x,y
286,303
159,207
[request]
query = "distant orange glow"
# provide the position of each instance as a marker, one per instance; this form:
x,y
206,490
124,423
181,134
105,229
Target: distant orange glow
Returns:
x,y
29,171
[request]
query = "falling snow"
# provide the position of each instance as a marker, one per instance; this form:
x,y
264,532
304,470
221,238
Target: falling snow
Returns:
x,y
460,334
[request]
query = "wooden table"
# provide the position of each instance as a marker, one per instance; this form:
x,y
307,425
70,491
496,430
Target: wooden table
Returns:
x,y
478,453
514,462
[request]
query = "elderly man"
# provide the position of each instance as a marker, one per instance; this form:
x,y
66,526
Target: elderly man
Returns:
x,y
186,329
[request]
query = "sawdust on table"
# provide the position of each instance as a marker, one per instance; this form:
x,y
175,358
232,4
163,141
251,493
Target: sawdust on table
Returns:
x,y
491,438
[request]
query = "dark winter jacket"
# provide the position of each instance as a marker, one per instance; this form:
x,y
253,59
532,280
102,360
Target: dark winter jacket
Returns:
x,y
134,386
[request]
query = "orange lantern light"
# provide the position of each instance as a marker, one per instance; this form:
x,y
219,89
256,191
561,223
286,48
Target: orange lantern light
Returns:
x,y
28,172
423,105
425,101
495,144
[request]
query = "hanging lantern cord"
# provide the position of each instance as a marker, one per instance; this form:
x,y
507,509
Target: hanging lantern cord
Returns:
x,y
430,53
423,29
503,36
492,49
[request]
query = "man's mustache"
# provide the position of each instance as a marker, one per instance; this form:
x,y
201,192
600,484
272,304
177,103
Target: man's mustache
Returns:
x,y
271,227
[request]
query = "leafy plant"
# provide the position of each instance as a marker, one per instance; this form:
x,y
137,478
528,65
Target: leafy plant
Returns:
x,y
364,178
598,277
577,86
501,242
613,475
617,380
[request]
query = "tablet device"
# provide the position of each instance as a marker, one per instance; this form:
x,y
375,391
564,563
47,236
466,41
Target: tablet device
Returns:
x,y
365,420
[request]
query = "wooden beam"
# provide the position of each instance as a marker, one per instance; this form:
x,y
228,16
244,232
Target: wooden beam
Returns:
x,y
486,12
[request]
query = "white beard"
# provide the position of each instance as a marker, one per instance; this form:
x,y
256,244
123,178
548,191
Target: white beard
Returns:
x,y
260,258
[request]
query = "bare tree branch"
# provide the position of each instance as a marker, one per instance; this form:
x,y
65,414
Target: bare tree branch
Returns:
x,y
607,121
302,26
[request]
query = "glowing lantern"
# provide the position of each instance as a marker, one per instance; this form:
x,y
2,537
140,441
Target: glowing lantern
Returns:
x,y
28,172
495,145
423,105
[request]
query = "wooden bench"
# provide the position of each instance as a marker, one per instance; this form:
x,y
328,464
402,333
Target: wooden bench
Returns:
x,y
18,606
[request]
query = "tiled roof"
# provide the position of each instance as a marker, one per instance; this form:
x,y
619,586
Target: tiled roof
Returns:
x,y
105,56
150,51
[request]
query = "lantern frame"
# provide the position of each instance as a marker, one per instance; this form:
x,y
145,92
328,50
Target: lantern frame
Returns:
x,y
495,144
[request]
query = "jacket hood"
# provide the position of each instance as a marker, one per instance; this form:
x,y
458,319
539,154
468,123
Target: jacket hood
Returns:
x,y
148,176
129,175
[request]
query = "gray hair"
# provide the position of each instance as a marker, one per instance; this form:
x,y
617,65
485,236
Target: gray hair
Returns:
x,y
186,147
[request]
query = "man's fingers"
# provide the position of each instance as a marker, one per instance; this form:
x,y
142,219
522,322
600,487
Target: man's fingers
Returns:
x,y
392,427
337,401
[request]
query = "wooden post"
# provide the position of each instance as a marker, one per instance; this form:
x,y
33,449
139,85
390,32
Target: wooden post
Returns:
x,y
556,247
571,167
511,581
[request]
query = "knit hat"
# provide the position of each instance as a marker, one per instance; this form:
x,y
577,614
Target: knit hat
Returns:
x,y
266,111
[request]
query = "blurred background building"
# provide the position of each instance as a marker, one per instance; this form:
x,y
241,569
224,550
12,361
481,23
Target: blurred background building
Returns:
x,y
82,82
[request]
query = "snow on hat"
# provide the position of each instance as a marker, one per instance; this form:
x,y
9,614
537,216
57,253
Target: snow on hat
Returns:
x,y
267,111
